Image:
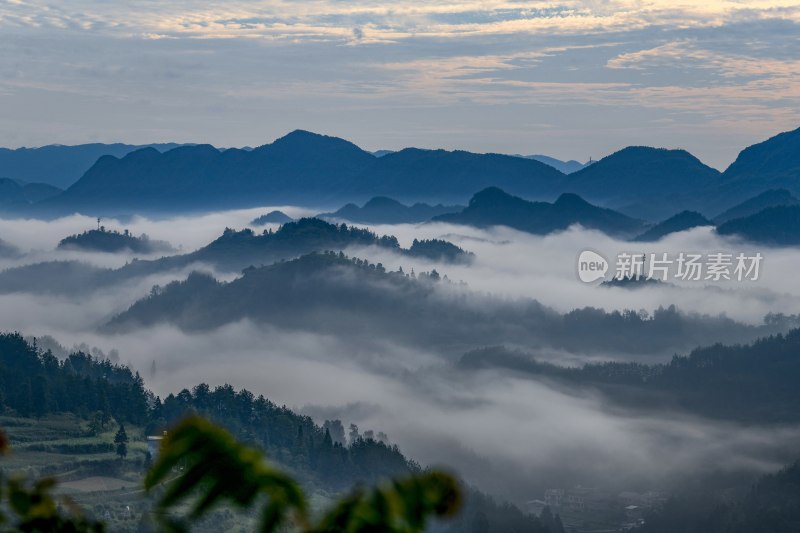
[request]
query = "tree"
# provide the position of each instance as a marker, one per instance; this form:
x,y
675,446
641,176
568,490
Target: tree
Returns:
x,y
121,440
354,435
336,429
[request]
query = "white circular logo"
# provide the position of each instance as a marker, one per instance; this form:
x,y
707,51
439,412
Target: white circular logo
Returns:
x,y
591,266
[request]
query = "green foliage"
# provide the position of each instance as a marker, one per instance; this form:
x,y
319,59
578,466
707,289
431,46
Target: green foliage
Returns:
x,y
221,469
403,505
213,468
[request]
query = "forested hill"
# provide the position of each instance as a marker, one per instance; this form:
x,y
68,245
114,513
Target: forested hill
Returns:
x,y
232,252
331,293
239,249
770,506
34,383
101,240
754,382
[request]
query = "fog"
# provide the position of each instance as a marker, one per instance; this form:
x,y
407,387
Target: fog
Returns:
x,y
510,435
507,262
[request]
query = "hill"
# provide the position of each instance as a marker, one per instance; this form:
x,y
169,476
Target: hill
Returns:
x,y
778,226
382,210
494,207
752,382
770,198
643,182
774,163
273,217
15,195
60,165
769,506
100,240
683,221
235,250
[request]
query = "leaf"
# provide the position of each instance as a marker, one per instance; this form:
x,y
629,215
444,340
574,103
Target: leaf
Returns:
x,y
403,506
217,468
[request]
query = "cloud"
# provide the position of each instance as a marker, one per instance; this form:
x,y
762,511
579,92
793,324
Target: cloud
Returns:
x,y
439,74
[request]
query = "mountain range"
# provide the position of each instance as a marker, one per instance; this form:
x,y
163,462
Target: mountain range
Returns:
x,y
300,168
60,165
305,168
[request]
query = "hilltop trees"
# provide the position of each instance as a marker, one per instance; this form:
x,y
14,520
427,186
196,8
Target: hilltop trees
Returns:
x,y
36,383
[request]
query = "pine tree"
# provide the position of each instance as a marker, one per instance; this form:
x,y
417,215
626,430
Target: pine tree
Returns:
x,y
121,440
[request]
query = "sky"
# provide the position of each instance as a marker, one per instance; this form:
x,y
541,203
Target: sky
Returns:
x,y
569,79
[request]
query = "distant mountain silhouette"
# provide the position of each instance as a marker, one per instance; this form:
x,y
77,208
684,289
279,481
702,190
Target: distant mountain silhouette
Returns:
x,y
441,175
302,167
16,194
643,182
778,226
681,222
36,192
61,165
774,163
567,167
770,198
308,169
494,207
273,217
382,210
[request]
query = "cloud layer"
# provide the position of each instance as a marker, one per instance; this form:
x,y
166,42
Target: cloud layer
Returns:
x,y
573,79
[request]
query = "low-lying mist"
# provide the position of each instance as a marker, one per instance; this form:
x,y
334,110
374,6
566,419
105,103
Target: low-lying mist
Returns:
x,y
509,434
